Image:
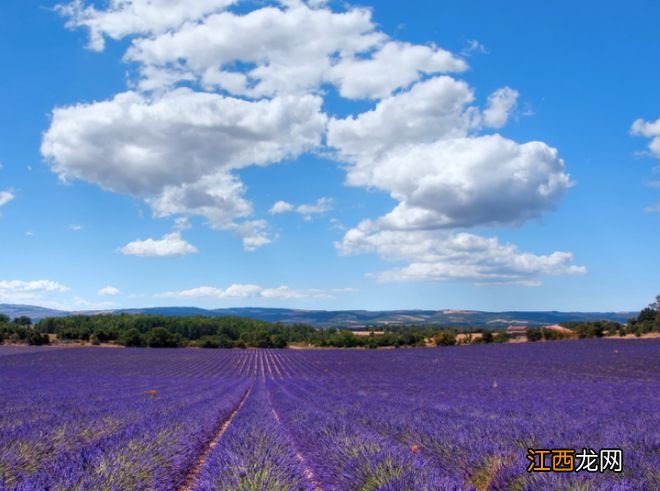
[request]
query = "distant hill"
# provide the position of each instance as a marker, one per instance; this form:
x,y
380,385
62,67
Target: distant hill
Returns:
x,y
360,318
31,311
349,318
173,311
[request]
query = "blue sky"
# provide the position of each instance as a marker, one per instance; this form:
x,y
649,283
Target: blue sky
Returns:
x,y
330,155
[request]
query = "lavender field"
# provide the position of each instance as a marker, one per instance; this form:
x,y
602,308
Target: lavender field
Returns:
x,y
409,419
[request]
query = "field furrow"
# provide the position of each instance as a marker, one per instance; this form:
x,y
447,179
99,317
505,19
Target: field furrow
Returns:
x,y
193,476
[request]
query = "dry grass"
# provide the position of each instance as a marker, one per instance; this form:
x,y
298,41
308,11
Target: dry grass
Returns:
x,y
558,328
648,335
463,337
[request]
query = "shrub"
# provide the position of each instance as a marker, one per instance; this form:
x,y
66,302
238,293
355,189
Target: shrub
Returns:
x,y
534,334
162,338
132,337
23,320
277,341
214,342
445,338
551,334
501,337
37,339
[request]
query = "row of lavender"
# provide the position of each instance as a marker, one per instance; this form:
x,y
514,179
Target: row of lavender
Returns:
x,y
456,418
102,419
463,418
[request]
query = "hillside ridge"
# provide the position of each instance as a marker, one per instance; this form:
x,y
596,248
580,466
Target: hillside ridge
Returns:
x,y
345,318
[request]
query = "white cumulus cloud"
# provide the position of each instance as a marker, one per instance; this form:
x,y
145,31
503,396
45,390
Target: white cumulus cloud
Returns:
x,y
143,145
282,293
500,104
20,291
125,17
32,286
474,46
281,207
433,109
649,129
419,147
288,50
320,206
467,182
239,290
218,89
6,197
177,150
442,256
169,245
392,66
109,291
181,223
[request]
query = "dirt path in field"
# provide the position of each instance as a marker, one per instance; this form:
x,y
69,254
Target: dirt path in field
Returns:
x,y
193,475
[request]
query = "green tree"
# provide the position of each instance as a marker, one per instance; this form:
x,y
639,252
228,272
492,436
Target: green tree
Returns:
x,y
501,337
215,342
277,341
655,306
444,338
105,333
534,334
160,337
552,335
23,320
37,339
132,337
584,331
647,314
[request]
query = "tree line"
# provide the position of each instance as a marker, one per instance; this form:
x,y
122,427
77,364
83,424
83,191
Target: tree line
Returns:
x,y
647,321
160,331
157,331
20,330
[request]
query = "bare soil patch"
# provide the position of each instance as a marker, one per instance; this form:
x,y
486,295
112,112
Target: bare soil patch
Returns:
x,y
367,333
648,335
